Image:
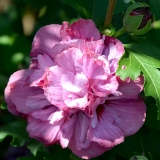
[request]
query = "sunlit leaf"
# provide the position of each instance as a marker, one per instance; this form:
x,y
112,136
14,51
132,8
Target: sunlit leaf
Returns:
x,y
146,59
35,146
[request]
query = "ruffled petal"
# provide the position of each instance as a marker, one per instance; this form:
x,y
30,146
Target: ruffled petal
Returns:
x,y
95,47
45,39
128,88
63,46
64,89
82,29
95,68
52,89
70,60
36,78
113,50
104,88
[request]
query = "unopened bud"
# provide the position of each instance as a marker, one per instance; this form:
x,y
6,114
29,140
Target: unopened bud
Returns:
x,y
137,19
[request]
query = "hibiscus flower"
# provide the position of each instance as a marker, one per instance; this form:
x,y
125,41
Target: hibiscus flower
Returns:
x,y
71,95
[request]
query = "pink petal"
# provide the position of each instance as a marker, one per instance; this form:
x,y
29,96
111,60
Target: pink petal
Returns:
x,y
35,78
44,114
66,131
113,50
70,60
80,132
104,88
15,78
93,150
44,61
82,29
74,83
45,39
105,133
95,47
93,103
64,89
95,67
55,117
50,126
27,99
128,115
36,100
63,46
128,88
52,89
44,131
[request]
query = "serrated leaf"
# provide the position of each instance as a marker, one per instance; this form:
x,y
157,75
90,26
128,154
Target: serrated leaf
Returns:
x,y
146,59
95,9
17,130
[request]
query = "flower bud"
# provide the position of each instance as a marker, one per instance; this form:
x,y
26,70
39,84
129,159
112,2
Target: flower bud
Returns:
x,y
137,19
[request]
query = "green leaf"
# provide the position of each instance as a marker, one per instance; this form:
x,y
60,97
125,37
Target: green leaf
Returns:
x,y
17,130
138,158
35,146
144,143
3,106
146,59
154,6
95,9
20,137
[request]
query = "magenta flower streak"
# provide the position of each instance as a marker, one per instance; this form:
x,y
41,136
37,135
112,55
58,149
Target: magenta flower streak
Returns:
x,y
70,94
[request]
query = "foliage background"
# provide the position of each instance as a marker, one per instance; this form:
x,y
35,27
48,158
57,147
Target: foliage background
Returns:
x,y
19,21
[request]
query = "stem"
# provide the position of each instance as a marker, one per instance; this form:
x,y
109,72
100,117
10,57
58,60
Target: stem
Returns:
x,y
109,14
119,32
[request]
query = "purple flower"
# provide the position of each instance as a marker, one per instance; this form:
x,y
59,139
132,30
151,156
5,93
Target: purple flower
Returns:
x,y
71,95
